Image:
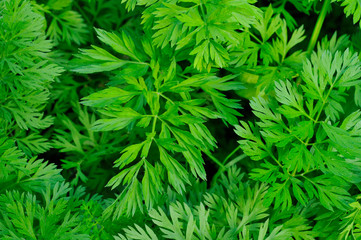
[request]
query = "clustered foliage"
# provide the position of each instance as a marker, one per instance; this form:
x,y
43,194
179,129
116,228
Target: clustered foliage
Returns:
x,y
180,119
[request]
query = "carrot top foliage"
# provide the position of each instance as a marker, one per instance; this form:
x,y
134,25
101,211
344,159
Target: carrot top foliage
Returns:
x,y
180,119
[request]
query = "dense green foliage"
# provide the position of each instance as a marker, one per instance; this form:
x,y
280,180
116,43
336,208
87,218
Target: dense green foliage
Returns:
x,y
180,119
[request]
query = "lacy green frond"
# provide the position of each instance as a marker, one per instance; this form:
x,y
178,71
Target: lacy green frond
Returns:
x,y
232,210
304,142
352,8
210,27
157,100
65,24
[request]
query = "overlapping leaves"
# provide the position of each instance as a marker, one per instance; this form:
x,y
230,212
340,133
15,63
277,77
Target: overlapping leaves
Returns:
x,y
158,101
202,28
26,72
308,146
265,54
231,210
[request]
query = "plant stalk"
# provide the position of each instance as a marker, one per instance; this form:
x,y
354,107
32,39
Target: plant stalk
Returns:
x,y
215,160
317,29
231,154
221,170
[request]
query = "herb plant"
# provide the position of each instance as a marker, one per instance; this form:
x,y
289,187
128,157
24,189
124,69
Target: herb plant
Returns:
x,y
180,119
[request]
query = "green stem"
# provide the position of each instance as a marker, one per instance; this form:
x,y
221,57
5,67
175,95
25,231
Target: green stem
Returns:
x,y
231,154
221,170
214,159
154,123
324,101
254,36
317,29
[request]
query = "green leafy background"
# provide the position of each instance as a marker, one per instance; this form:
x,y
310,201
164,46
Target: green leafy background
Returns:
x,y
180,119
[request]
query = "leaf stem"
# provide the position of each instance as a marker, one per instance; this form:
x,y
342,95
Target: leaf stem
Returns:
x,y
154,123
324,101
221,170
317,29
214,159
203,13
254,36
231,154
